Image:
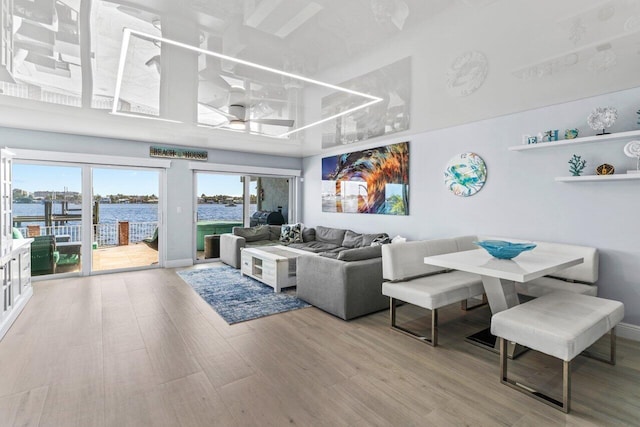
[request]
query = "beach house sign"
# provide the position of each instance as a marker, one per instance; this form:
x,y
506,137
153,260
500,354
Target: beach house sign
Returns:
x,y
179,153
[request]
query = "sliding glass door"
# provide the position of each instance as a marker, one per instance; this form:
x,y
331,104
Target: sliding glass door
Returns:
x,y
125,209
47,206
224,201
52,202
220,206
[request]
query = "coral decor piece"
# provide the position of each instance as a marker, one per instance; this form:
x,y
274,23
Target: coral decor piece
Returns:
x,y
576,165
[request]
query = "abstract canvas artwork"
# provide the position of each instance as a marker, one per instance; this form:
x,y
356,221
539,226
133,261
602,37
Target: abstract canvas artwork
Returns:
x,y
465,174
392,83
372,181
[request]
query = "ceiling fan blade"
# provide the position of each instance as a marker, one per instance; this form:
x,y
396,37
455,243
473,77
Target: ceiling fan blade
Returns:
x,y
274,122
218,110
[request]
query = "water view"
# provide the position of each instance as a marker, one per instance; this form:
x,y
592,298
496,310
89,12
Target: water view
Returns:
x,y
142,218
140,212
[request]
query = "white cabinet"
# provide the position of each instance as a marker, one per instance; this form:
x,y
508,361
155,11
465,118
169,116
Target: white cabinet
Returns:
x,y
15,279
15,254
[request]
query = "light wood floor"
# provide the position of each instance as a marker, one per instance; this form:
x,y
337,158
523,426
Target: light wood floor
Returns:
x,y
138,349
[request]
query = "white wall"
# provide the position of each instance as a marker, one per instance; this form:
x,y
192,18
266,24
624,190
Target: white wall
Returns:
x,y
520,198
179,177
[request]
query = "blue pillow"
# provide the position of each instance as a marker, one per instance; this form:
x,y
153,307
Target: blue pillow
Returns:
x,y
16,234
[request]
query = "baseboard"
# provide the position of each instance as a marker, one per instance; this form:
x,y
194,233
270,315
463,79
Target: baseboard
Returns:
x,y
630,332
175,263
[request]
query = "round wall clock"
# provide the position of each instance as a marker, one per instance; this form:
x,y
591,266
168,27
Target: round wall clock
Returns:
x,y
465,174
467,73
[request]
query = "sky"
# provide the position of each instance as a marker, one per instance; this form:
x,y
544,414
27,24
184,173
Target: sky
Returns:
x,y
115,181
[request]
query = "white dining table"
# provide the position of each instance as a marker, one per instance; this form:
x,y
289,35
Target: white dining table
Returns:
x,y
499,277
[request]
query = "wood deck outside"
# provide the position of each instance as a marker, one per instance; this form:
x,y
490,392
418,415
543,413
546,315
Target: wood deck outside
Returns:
x,y
116,257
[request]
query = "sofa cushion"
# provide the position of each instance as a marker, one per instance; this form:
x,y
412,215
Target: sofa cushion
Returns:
x,y
436,290
308,234
252,234
358,254
367,239
330,235
352,239
329,254
274,232
315,247
291,233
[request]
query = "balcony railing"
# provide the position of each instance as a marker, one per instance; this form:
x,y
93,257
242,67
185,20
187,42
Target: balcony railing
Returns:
x,y
103,234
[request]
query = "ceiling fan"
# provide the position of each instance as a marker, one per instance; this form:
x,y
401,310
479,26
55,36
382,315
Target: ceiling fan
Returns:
x,y
237,114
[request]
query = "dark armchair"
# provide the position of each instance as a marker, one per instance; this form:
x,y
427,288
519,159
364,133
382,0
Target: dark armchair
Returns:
x,y
152,241
44,256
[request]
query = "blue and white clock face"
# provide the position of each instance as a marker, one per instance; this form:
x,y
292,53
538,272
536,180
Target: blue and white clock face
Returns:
x,y
465,174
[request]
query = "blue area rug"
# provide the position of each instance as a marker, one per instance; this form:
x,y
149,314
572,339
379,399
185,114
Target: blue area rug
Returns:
x,y
238,298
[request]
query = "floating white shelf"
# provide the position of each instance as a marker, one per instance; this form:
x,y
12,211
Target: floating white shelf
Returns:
x,y
601,178
578,141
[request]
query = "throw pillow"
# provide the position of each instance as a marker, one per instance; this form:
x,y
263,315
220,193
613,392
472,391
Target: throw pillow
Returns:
x,y
367,239
16,233
291,233
381,240
352,239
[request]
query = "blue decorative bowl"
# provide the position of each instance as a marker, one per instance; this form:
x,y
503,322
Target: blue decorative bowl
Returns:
x,y
504,250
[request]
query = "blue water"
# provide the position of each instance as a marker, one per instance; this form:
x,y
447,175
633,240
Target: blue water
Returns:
x,y
112,213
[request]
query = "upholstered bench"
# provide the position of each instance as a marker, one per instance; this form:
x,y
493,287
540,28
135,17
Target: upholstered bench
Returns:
x,y
409,279
560,324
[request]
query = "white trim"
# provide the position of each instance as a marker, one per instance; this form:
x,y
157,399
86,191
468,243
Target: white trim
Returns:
x,y
86,250
243,170
99,159
162,220
177,263
628,331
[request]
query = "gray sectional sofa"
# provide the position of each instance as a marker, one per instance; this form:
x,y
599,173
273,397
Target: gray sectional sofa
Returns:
x,y
344,280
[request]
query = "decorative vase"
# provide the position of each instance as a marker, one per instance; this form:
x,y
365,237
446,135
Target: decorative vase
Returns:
x,y
605,169
571,133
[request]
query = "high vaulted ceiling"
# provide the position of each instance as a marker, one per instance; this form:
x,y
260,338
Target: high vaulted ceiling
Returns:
x,y
438,62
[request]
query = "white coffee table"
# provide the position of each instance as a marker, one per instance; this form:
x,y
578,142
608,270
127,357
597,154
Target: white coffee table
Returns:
x,y
272,265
